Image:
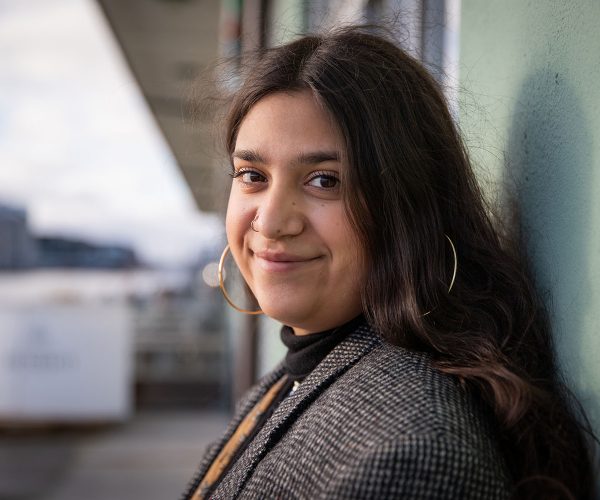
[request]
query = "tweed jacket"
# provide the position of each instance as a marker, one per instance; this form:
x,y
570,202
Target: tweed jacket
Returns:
x,y
371,421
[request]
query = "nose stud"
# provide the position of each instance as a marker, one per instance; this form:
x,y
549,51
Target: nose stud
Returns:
x,y
252,224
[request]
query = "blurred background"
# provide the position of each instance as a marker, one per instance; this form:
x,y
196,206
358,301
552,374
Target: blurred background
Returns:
x,y
119,360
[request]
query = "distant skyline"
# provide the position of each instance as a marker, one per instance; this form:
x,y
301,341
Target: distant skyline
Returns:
x,y
79,149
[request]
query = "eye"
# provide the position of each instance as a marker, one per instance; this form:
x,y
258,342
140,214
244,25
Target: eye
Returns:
x,y
249,176
324,180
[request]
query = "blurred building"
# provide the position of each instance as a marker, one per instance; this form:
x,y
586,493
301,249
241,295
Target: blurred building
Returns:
x,y
18,249
72,253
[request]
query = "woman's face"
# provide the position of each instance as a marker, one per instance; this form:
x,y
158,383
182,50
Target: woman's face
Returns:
x,y
302,260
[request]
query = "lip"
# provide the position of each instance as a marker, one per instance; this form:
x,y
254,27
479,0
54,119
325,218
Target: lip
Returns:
x,y
282,261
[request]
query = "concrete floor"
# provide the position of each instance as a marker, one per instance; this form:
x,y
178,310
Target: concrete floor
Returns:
x,y
151,457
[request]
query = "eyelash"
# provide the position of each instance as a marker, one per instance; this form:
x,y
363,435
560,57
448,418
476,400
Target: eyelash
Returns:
x,y
244,170
315,175
325,175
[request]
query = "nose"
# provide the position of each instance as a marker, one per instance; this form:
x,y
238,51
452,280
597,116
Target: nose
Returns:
x,y
279,213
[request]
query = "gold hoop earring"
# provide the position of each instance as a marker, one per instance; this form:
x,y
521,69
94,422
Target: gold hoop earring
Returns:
x,y
455,262
222,286
454,271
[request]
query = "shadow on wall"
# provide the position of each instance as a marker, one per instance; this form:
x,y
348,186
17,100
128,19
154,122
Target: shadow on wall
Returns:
x,y
549,165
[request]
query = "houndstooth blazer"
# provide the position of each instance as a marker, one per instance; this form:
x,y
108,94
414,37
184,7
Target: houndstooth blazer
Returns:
x,y
371,421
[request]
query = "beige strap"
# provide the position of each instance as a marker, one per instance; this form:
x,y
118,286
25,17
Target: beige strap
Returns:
x,y
237,439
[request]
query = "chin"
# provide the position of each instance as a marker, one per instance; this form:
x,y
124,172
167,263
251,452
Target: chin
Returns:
x,y
292,314
283,316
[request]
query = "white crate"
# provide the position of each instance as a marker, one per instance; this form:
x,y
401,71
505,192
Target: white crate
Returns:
x,y
65,362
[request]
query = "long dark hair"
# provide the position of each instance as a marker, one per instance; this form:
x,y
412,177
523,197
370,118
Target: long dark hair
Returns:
x,y
409,185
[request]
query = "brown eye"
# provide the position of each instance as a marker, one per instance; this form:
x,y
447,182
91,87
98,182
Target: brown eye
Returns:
x,y
253,177
324,181
249,176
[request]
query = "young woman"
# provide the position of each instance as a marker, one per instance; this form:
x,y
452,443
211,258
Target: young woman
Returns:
x,y
420,363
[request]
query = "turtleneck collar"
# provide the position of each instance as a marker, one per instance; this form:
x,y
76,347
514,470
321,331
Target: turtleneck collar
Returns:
x,y
305,352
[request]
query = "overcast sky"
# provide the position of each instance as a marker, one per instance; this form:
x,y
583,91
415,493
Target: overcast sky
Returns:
x,y
78,146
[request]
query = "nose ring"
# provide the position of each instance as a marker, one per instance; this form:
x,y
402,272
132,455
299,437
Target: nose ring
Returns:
x,y
252,224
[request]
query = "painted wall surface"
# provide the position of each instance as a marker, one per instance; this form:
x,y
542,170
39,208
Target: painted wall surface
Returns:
x,y
530,110
285,21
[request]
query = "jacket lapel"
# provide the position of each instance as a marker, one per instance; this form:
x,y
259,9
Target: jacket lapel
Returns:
x,y
347,353
242,408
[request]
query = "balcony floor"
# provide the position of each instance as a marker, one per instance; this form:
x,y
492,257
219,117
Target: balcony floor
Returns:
x,y
152,457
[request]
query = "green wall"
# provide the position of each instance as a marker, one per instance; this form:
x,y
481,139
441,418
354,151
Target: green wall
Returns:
x,y
530,110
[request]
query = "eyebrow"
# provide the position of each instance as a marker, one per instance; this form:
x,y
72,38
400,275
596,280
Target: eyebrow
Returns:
x,y
318,157
248,155
310,158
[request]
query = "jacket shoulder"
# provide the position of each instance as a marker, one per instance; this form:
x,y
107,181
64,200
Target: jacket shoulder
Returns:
x,y
421,466
407,395
391,426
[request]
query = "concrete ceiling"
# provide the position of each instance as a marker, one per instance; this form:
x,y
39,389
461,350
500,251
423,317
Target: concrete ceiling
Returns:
x,y
168,43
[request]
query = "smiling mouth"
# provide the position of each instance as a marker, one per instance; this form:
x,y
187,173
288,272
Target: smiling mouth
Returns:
x,y
271,261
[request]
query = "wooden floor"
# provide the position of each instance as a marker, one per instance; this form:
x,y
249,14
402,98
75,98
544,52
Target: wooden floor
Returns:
x,y
151,457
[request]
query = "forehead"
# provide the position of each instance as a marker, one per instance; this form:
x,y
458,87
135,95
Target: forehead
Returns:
x,y
288,123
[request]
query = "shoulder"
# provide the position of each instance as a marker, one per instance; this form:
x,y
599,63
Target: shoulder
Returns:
x,y
390,426
420,466
407,430
391,377
401,394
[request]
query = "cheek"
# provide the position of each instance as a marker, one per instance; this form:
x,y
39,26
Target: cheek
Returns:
x,y
237,219
337,233
237,224
342,233
350,246
231,226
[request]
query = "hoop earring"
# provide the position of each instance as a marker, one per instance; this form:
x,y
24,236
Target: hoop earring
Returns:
x,y
453,271
222,286
455,262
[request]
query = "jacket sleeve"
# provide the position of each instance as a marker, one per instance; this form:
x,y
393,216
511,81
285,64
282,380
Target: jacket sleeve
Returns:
x,y
422,467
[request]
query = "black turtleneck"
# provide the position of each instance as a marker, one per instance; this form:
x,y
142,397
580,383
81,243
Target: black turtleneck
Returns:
x,y
305,352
